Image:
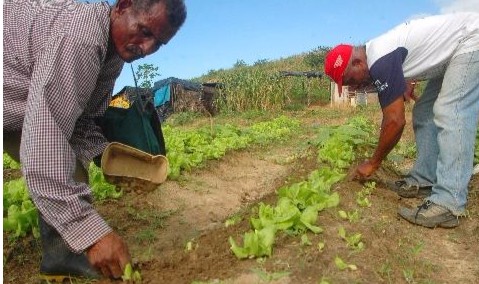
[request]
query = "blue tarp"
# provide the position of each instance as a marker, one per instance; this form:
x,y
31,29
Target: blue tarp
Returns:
x,y
162,95
162,89
187,84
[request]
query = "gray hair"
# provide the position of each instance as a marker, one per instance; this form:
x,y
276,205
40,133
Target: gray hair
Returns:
x,y
176,10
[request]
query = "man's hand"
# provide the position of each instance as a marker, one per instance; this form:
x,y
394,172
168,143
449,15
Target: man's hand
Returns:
x,y
364,170
109,255
409,93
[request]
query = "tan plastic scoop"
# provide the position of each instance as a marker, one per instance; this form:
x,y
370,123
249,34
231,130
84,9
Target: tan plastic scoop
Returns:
x,y
133,169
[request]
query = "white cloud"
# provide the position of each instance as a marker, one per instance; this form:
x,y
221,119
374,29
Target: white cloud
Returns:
x,y
452,6
418,16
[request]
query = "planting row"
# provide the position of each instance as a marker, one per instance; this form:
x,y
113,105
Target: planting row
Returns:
x,y
186,150
296,211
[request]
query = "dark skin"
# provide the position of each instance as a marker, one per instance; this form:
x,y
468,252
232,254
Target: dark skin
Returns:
x,y
134,35
109,255
392,127
357,77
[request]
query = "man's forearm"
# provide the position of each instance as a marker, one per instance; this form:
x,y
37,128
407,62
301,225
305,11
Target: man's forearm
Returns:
x,y
391,132
48,164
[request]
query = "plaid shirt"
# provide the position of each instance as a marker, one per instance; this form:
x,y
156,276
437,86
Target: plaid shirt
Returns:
x,y
58,75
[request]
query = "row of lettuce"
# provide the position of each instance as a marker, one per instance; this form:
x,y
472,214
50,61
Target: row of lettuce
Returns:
x,y
186,150
299,205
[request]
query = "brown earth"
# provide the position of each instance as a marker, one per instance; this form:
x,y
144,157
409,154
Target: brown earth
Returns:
x,y
159,225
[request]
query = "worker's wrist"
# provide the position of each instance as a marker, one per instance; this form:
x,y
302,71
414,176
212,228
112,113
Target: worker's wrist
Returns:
x,y
80,236
375,163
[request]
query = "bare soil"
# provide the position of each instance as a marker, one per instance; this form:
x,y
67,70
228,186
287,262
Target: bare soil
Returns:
x,y
159,225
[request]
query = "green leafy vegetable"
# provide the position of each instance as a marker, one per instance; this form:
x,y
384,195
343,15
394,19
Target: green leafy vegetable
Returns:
x,y
9,163
353,241
190,149
130,275
21,214
343,265
256,243
101,189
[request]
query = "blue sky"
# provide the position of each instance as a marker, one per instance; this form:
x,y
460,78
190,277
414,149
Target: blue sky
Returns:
x,y
217,33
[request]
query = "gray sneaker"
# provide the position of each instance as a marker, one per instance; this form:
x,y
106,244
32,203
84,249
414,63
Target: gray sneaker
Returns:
x,y
409,191
430,215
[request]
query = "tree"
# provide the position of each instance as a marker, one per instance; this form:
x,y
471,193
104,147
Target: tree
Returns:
x,y
240,63
315,58
145,75
260,62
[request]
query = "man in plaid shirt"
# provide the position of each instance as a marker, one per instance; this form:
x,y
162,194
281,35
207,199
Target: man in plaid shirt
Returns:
x,y
61,59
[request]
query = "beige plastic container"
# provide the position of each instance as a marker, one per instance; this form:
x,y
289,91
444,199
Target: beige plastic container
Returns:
x,y
133,169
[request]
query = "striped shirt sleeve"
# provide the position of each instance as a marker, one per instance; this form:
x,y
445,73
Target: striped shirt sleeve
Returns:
x,y
63,98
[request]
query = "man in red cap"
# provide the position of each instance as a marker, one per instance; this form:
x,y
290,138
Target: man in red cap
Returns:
x,y
336,62
444,50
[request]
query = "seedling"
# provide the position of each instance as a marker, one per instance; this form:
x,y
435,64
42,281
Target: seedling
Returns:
x,y
305,240
362,196
351,216
191,245
324,281
368,188
353,241
341,265
321,246
415,250
130,275
233,220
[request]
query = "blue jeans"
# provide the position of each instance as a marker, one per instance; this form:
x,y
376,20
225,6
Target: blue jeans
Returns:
x,y
445,122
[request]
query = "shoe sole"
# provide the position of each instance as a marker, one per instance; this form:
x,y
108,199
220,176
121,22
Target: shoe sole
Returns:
x,y
59,278
411,192
446,224
44,278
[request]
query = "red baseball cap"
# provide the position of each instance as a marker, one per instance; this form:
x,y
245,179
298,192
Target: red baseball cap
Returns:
x,y
336,62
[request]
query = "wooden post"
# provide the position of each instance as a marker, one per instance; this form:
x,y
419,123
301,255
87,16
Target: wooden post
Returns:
x,y
337,100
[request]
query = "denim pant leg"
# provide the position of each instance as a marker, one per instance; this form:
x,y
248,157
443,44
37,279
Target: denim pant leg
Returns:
x,y
456,112
423,172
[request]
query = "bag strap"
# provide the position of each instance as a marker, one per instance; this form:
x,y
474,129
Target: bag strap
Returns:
x,y
139,102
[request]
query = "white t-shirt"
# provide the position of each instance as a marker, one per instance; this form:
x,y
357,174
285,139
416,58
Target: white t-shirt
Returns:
x,y
419,50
